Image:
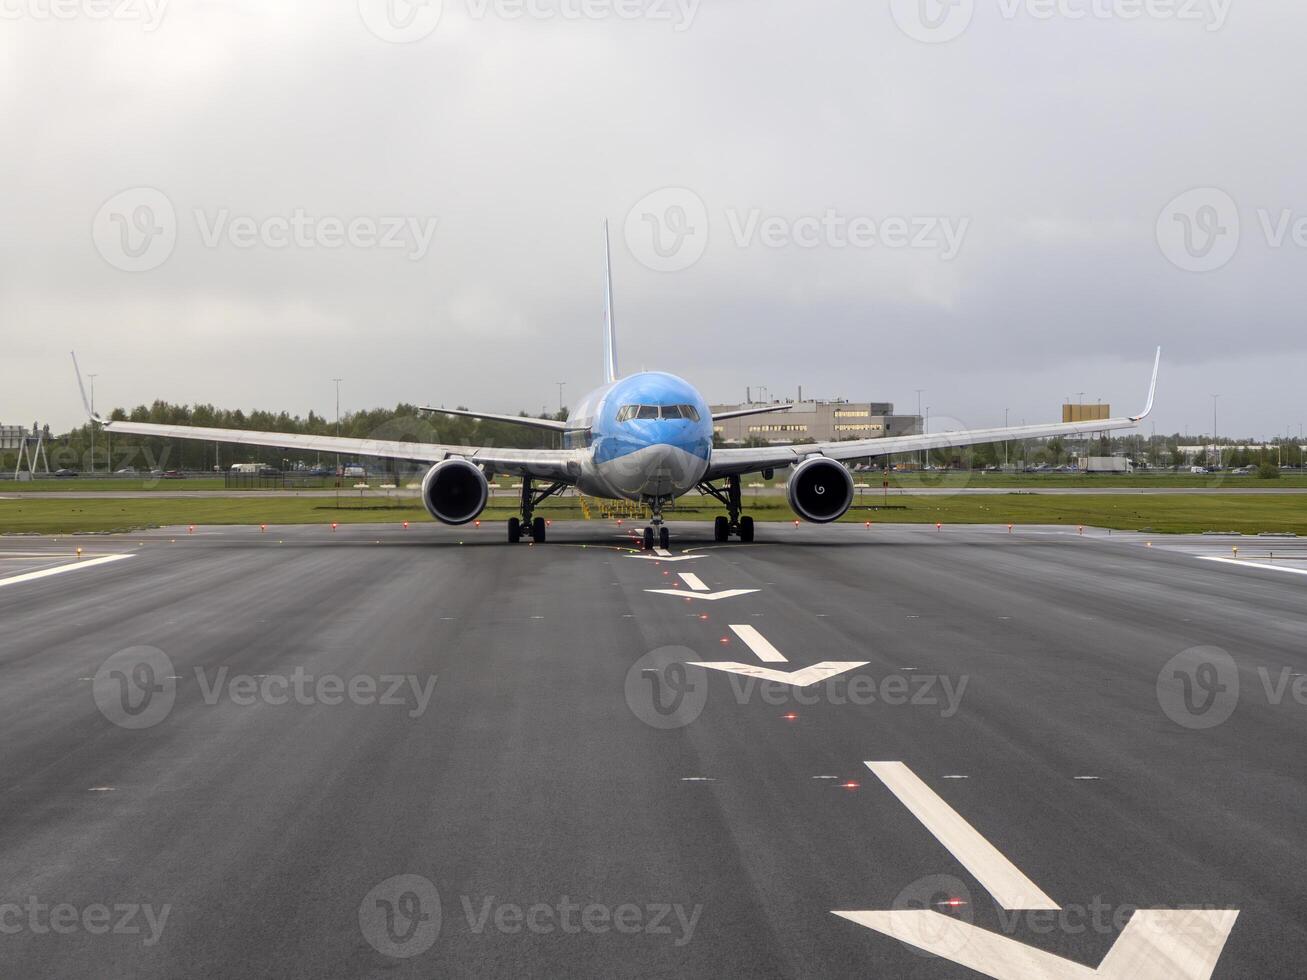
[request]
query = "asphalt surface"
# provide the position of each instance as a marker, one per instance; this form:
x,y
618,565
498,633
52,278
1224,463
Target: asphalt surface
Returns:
x,y
184,797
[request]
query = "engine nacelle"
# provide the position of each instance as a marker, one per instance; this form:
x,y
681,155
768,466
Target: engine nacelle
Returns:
x,y
455,491
820,490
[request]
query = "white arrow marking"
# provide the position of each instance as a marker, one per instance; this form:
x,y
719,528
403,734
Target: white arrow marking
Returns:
x,y
693,581
1255,564
759,644
709,596
665,556
1001,878
804,677
1161,944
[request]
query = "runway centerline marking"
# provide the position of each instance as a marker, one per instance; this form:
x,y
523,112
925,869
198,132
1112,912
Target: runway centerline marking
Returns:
x,y
693,581
60,569
1000,877
759,644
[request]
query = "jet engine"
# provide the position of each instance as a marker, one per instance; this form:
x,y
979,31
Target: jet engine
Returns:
x,y
820,490
455,491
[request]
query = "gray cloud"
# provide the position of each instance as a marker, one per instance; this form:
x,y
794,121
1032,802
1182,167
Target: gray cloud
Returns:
x,y
1059,141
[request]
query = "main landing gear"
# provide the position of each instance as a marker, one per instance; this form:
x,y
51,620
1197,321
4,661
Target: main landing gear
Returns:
x,y
657,530
528,524
729,495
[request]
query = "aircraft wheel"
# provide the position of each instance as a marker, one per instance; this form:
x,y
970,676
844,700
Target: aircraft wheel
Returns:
x,y
648,539
664,537
746,530
514,530
538,530
721,529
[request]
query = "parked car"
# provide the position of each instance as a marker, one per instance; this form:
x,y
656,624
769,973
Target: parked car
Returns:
x,y
65,474
173,475
125,471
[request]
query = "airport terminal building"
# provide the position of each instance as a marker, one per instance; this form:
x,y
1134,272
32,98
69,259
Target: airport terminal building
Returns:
x,y
817,420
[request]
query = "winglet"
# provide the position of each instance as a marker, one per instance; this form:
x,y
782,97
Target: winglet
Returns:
x,y
86,402
610,339
1152,390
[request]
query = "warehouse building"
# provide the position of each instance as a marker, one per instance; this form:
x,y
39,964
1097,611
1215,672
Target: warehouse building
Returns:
x,y
814,420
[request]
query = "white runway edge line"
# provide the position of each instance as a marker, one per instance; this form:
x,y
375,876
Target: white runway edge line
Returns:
x,y
1255,564
60,569
1000,877
759,644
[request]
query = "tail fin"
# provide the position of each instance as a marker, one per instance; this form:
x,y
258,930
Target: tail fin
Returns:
x,y
610,338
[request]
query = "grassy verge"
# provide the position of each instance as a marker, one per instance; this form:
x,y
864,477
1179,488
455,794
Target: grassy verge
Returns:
x,y
1161,513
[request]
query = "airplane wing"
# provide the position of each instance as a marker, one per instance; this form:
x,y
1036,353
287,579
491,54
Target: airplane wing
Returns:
x,y
729,462
563,465
740,413
553,425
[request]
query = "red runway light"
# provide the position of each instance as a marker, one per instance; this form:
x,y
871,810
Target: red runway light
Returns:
x,y
406,525
703,615
850,785
953,903
333,525
791,716
724,639
477,523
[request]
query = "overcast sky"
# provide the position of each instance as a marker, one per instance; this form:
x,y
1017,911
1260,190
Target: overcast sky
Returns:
x,y
1003,202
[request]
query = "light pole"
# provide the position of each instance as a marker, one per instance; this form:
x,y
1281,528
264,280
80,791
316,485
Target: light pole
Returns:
x,y
92,378
560,395
1005,442
1215,445
919,391
339,472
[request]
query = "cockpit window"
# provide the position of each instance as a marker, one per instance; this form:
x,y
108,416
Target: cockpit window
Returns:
x,y
628,412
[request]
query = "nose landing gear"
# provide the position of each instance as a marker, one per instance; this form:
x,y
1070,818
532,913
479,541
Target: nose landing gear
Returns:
x,y
657,530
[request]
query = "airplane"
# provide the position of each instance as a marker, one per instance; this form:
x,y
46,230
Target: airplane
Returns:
x,y
645,437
